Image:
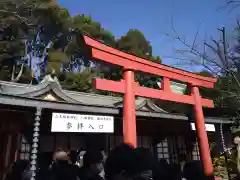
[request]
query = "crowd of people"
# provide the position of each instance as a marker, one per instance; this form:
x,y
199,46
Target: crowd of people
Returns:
x,y
122,163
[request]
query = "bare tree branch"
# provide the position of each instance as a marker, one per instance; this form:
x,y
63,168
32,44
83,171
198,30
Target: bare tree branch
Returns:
x,y
220,61
217,61
231,4
238,23
16,79
13,72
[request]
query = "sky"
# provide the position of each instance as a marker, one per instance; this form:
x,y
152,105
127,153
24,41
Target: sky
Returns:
x,y
156,19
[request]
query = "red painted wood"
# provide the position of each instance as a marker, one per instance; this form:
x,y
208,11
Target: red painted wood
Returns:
x,y
119,87
168,96
202,134
114,56
108,85
166,84
129,111
131,89
137,66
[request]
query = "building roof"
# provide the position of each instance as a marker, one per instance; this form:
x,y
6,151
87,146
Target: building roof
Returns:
x,y
50,89
50,94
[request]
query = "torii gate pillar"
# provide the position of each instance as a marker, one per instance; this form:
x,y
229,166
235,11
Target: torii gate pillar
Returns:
x,y
129,109
201,132
130,89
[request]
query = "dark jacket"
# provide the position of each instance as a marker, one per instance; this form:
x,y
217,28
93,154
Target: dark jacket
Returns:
x,y
20,171
61,170
82,174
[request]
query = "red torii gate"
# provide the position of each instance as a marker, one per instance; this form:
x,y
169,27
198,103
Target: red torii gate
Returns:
x,y
130,89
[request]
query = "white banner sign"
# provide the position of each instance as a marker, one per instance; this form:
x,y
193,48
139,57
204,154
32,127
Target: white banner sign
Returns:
x,y
209,127
62,122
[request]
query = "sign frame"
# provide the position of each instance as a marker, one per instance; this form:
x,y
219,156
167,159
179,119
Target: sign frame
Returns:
x,y
81,123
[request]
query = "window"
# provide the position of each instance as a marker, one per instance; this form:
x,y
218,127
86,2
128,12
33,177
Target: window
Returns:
x,y
177,147
195,152
24,149
162,150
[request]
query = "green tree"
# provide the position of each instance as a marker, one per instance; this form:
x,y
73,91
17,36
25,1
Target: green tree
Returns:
x,y
23,20
20,22
78,81
128,43
135,42
92,28
74,50
78,66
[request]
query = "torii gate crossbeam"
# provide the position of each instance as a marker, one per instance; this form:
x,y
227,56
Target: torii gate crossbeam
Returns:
x,y
130,89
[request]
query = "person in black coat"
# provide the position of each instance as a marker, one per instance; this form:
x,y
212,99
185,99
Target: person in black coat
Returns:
x,y
193,170
120,163
61,168
128,163
20,171
92,166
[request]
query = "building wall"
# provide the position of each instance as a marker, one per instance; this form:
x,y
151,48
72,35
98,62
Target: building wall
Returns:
x,y
142,141
71,141
169,147
173,142
172,147
25,149
162,149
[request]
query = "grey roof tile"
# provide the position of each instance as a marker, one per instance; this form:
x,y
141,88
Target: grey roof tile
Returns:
x,y
49,85
52,85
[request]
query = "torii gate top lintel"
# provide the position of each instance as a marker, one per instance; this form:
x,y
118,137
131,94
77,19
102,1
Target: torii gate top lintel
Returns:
x,y
114,56
130,89
127,61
